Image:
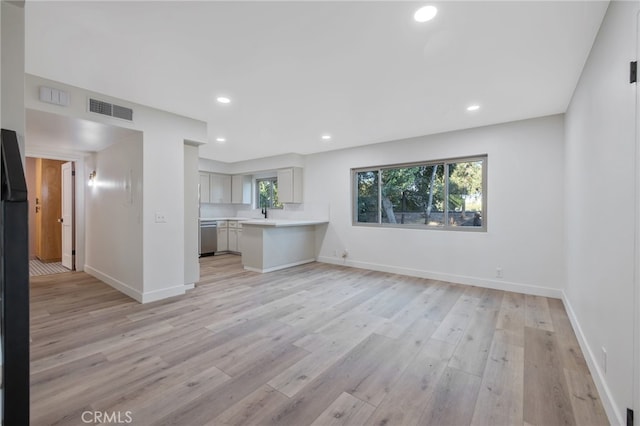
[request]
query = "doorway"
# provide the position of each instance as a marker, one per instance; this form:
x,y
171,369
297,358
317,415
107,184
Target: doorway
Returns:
x,y
51,192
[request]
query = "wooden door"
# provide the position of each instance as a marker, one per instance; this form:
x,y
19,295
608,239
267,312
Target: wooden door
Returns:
x,y
49,194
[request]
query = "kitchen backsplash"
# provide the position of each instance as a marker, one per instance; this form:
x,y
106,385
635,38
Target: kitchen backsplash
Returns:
x,y
290,211
218,210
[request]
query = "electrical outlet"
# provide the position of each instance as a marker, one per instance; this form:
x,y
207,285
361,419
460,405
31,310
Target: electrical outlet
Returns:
x,y
499,272
604,360
161,217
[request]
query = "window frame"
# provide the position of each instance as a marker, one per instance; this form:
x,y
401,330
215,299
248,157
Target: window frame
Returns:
x,y
445,162
273,180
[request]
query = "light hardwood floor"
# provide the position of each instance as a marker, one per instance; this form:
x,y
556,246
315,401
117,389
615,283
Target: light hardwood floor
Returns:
x,y
312,345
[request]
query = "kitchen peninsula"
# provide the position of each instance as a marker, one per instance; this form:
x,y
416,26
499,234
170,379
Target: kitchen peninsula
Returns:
x,y
273,244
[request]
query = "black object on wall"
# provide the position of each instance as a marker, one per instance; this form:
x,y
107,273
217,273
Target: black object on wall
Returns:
x,y
14,284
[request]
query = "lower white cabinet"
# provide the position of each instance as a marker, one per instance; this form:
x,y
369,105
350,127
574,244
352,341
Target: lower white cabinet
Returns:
x,y
229,236
233,239
223,237
235,236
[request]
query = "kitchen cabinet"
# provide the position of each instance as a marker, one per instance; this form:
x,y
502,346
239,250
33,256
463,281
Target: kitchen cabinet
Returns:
x,y
229,236
290,185
235,236
233,239
205,187
220,189
241,189
223,236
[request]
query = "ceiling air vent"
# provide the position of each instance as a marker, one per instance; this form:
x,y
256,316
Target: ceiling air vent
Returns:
x,y
105,108
122,112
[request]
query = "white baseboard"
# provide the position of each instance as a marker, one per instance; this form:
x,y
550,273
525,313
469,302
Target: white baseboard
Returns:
x,y
458,279
117,284
152,296
615,417
141,297
277,268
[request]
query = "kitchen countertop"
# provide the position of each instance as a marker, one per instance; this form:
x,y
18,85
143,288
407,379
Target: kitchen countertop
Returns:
x,y
283,222
226,218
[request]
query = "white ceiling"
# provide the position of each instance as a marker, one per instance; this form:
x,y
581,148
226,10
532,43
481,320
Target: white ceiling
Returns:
x,y
364,72
47,132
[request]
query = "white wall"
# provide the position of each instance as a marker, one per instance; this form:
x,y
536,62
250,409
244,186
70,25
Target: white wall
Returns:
x,y
12,69
207,165
267,164
114,217
599,210
524,211
164,135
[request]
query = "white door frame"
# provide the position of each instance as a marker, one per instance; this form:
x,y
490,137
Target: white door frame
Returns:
x,y
636,273
79,160
67,219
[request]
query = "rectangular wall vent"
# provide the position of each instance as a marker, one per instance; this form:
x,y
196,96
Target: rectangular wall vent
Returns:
x,y
112,110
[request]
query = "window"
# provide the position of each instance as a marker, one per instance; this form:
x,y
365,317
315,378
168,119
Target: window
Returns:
x,y
267,193
443,194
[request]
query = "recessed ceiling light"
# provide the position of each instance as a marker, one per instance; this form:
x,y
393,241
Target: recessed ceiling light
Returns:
x,y
221,140
326,137
473,107
425,13
223,99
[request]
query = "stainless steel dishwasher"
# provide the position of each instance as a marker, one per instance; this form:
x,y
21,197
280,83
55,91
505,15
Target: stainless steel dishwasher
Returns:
x,y
208,237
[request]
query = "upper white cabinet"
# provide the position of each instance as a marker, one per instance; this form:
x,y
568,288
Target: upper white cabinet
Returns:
x,y
241,189
290,185
205,188
220,189
215,188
